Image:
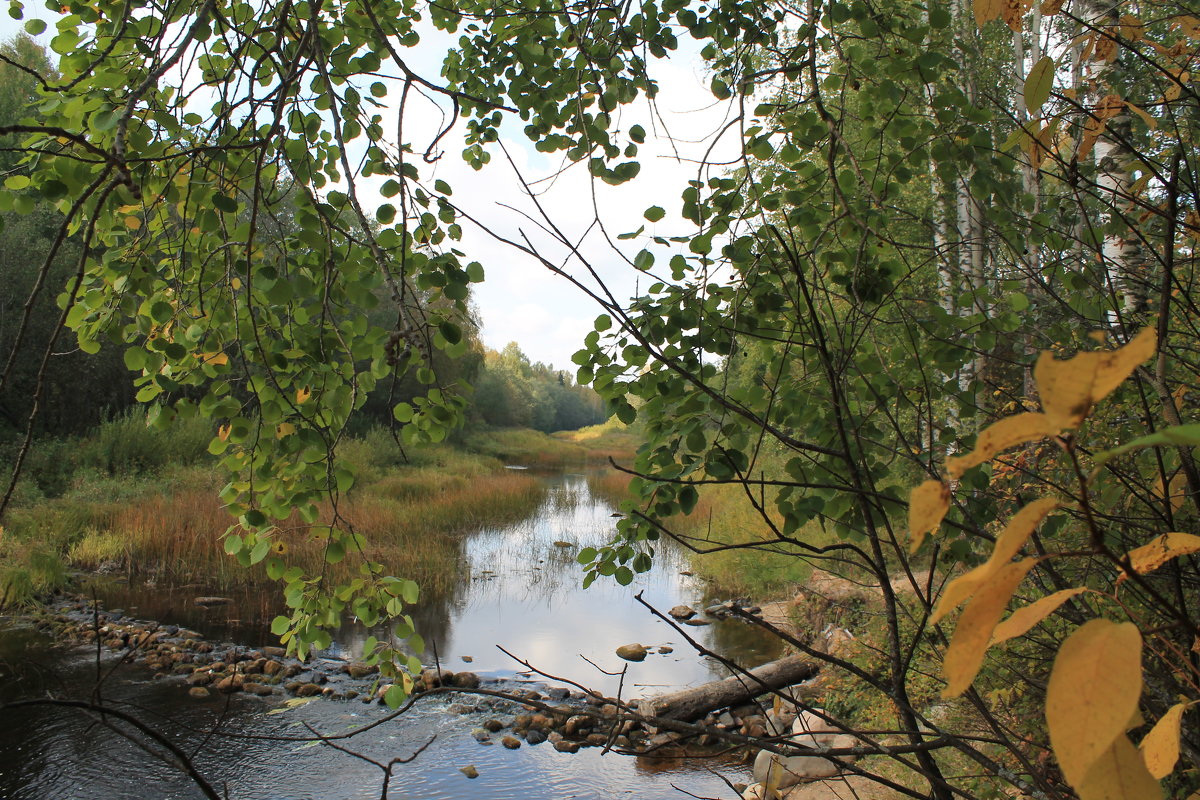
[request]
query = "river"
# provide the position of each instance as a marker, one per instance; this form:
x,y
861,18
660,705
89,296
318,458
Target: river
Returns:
x,y
520,588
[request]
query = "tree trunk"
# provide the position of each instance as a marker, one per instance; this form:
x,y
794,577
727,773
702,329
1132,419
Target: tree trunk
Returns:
x,y
692,704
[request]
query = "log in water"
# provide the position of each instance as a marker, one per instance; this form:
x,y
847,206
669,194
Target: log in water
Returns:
x,y
692,704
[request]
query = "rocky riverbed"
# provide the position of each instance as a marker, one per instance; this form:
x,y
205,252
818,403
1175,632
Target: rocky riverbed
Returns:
x,y
508,713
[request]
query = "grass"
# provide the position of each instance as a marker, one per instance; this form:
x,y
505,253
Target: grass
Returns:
x,y
756,566
144,502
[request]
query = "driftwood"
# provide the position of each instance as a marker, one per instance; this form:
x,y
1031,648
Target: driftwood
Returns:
x,y
692,704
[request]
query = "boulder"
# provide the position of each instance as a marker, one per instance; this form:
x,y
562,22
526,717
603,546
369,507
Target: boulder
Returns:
x,y
465,680
199,692
470,771
511,742
209,602
230,683
682,612
632,652
308,690
358,670
534,736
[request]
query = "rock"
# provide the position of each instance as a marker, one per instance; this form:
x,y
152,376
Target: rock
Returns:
x,y
358,670
468,659
696,622
534,736
209,602
597,739
577,725
199,692
494,725
274,652
665,649
541,722
466,680
511,742
199,678
754,726
257,688
558,693
563,544
470,771
795,769
566,746
481,735
808,722
308,690
460,708
272,668
682,612
632,652
230,683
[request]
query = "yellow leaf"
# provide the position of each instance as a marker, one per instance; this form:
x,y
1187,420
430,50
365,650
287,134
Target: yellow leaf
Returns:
x,y
302,395
279,547
1119,774
1070,388
1150,557
223,432
1025,618
965,654
1008,544
214,358
1001,435
927,506
284,429
1160,747
1150,121
1093,691
133,223
988,10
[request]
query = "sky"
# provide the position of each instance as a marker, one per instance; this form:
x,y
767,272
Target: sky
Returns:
x,y
520,300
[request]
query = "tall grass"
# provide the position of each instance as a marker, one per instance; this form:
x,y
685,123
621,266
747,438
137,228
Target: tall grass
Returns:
x,y
758,567
144,502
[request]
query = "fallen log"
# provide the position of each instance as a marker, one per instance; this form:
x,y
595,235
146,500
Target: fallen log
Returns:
x,y
692,704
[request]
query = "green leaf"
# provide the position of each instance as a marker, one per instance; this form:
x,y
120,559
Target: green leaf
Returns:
x,y
280,625
1179,436
1038,84
654,213
395,695
35,27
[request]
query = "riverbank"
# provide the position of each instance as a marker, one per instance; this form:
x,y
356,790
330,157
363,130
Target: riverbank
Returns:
x,y
143,503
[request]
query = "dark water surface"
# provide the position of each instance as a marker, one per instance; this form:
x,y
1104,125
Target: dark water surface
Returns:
x,y
520,590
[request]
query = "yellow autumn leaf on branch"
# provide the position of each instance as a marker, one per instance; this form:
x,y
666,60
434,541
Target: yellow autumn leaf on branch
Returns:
x,y
1008,544
1069,389
1023,619
1162,549
1119,774
1094,690
1001,435
1160,747
927,506
965,655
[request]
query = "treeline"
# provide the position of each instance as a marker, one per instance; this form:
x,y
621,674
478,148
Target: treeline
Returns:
x,y
74,391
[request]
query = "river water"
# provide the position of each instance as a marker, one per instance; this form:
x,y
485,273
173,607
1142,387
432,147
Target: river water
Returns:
x,y
520,589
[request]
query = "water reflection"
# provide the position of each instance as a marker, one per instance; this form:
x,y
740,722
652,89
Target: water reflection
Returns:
x,y
521,590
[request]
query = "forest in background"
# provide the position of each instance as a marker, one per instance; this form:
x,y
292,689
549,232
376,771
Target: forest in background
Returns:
x,y
934,331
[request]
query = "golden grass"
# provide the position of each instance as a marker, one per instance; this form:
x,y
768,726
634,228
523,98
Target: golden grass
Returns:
x,y
412,519
724,516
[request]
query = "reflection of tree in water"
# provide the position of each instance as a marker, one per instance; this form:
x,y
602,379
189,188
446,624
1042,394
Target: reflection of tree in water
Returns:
x,y
744,644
